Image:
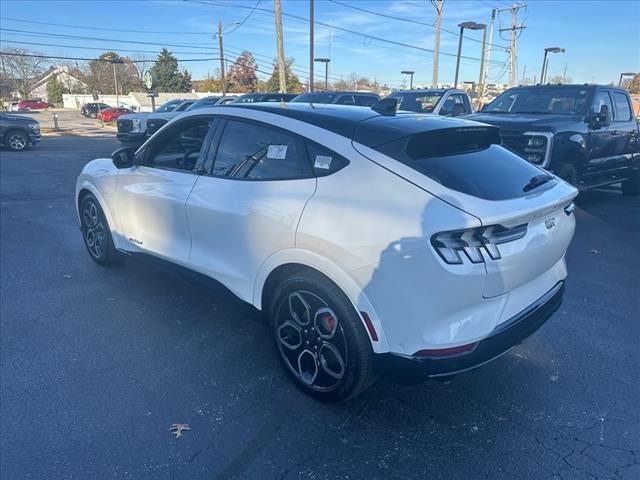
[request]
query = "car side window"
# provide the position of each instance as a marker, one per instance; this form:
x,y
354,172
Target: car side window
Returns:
x,y
346,100
179,148
249,151
365,100
602,98
623,110
454,105
324,161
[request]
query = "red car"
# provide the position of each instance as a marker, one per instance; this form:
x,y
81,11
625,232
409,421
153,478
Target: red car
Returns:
x,y
33,105
111,114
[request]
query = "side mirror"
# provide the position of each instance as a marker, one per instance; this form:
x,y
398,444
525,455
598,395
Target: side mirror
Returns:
x,y
123,157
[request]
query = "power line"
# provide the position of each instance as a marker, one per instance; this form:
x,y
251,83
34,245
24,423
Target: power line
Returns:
x,y
22,42
408,20
246,18
60,57
342,29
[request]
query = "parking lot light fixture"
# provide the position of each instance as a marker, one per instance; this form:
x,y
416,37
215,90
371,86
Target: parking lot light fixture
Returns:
x,y
548,50
409,72
468,26
326,70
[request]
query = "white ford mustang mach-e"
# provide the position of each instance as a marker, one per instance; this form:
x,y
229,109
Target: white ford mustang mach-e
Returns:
x,y
375,241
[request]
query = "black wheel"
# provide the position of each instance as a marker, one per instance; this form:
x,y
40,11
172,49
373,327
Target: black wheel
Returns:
x,y
93,114
96,233
16,140
568,173
320,338
631,186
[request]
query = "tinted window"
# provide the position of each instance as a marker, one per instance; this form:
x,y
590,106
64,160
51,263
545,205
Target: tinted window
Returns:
x,y
325,162
184,106
623,110
366,100
484,170
180,147
250,151
322,97
169,106
423,102
346,100
204,102
557,100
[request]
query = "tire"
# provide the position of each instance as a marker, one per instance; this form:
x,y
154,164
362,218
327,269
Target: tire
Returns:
x,y
96,233
631,186
16,140
568,173
93,115
319,338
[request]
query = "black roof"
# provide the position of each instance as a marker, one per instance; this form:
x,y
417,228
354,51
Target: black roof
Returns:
x,y
362,124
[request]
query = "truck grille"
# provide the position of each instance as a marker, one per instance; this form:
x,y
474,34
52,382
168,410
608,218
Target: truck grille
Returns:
x,y
514,141
125,126
154,125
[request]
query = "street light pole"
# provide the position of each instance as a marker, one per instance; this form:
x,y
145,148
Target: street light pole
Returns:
x,y
470,26
326,70
311,62
409,72
545,61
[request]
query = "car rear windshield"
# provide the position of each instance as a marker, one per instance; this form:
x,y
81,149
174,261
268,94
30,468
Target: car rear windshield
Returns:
x,y
559,100
468,160
422,102
314,98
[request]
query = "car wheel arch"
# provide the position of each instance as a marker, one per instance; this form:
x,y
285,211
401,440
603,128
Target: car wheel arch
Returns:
x,y
87,188
289,261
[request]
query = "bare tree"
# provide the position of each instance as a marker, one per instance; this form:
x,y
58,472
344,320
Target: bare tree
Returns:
x,y
22,66
142,63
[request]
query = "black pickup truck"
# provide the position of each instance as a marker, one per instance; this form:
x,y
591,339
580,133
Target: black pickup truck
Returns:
x,y
585,134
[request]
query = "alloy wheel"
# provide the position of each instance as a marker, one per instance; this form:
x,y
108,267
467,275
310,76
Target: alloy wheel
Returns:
x,y
311,341
17,141
93,229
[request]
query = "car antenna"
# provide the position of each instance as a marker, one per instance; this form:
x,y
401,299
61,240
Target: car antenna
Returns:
x,y
386,106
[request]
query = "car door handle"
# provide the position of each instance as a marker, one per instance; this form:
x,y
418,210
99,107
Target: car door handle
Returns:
x,y
615,132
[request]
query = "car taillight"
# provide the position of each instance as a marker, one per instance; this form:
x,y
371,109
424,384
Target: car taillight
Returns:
x,y
475,242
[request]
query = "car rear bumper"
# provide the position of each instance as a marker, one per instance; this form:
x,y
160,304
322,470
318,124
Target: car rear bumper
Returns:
x,y
417,368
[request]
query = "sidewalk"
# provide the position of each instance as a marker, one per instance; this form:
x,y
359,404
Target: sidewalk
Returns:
x,y
70,122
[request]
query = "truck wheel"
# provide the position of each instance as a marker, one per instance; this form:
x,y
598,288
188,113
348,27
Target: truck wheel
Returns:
x,y
631,186
320,338
16,140
567,172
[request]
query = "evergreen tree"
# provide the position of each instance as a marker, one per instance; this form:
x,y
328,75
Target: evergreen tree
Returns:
x,y
55,90
292,81
170,79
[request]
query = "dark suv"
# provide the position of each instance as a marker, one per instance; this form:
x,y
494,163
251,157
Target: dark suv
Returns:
x,y
361,99
17,132
585,134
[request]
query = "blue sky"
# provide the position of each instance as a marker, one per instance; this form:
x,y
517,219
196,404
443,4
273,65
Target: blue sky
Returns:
x,y
601,38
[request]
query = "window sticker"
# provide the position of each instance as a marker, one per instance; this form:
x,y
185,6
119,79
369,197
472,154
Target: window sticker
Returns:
x,y
277,152
323,162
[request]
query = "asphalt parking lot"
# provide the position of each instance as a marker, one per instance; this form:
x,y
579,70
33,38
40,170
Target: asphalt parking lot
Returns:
x,y
97,363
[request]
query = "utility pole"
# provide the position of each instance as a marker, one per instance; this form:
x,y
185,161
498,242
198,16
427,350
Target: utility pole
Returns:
x,y
481,79
524,71
489,42
115,81
223,83
513,29
438,4
311,57
564,74
280,46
